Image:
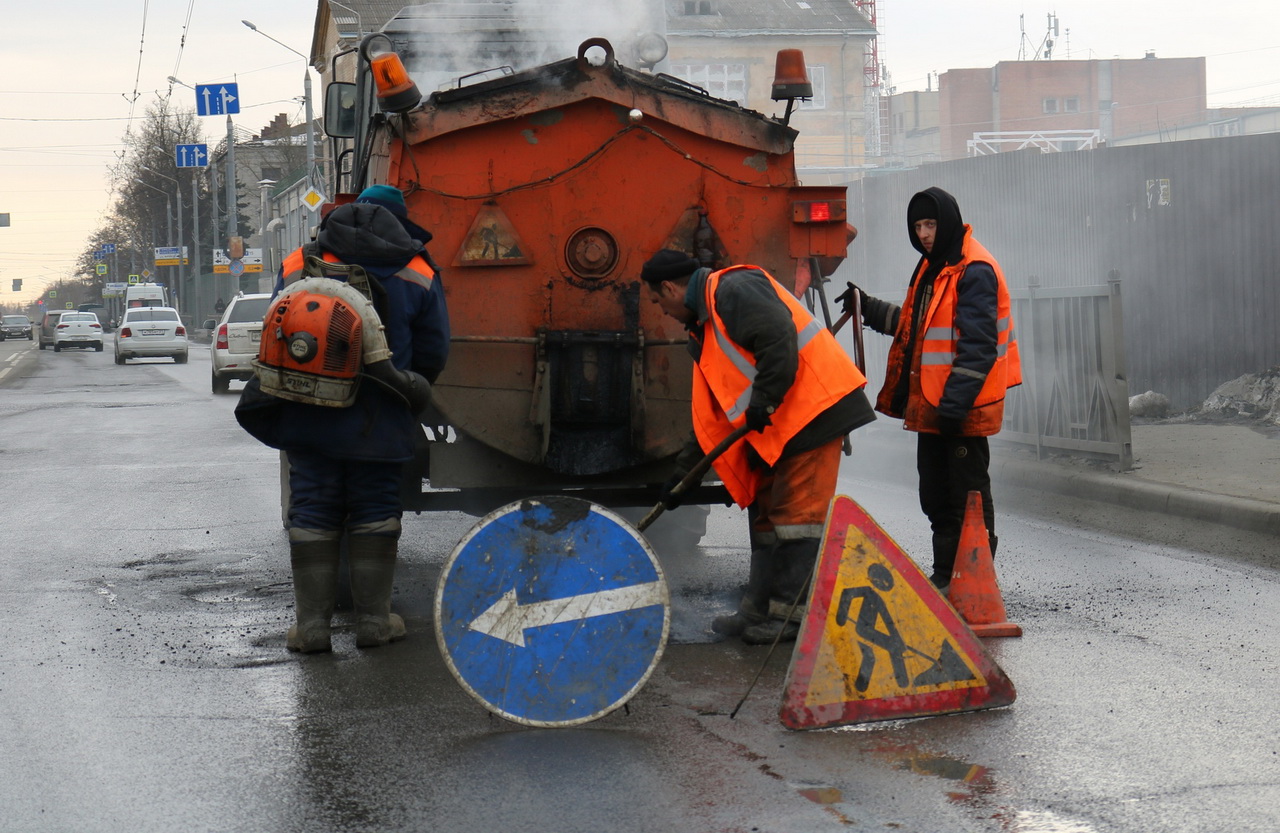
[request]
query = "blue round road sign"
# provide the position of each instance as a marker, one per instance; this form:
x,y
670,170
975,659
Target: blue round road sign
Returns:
x,y
552,611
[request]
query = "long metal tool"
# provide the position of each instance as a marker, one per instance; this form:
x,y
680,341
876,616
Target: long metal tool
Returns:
x,y
694,477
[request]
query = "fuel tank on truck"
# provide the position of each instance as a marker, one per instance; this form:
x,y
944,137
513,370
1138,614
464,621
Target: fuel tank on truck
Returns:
x,y
546,190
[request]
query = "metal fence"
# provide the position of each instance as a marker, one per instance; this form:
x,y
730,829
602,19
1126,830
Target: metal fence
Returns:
x,y
1184,224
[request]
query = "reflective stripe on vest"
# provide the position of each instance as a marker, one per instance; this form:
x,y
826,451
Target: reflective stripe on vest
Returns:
x,y
723,382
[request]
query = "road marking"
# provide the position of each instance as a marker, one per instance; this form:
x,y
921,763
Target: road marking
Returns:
x,y
507,619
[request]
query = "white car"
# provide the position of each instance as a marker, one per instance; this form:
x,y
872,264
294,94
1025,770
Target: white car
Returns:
x,y
151,331
235,341
77,329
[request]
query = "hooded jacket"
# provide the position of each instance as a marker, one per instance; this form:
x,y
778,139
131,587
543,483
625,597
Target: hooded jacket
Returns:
x,y
954,353
378,426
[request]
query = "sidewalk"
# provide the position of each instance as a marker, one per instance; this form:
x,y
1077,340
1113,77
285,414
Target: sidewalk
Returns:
x,y
1226,474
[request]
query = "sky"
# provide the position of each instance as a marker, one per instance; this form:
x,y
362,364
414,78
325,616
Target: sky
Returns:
x,y
73,84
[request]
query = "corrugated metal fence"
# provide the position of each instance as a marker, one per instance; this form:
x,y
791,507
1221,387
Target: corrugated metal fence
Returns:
x,y
1183,225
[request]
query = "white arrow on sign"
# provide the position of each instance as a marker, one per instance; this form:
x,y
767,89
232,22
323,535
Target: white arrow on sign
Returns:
x,y
507,619
226,97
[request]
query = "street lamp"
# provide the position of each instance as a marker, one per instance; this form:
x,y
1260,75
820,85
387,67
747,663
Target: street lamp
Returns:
x,y
311,141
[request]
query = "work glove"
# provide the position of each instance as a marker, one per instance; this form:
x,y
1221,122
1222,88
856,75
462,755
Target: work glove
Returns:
x,y
668,500
846,298
758,417
950,426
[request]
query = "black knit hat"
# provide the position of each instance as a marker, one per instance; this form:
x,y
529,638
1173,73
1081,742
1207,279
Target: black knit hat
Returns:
x,y
668,265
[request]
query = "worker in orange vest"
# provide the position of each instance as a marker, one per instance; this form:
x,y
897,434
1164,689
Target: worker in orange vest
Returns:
x,y
953,356
760,359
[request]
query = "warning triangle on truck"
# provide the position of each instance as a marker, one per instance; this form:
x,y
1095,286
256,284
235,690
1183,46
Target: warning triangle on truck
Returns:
x,y
491,241
878,642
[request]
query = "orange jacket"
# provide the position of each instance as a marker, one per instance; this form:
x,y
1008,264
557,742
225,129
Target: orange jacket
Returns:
x,y
935,351
722,388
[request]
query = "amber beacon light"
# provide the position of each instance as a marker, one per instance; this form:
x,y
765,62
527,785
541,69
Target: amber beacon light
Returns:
x,y
396,91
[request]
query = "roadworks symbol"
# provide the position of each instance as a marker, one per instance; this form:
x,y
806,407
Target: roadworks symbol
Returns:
x,y
879,642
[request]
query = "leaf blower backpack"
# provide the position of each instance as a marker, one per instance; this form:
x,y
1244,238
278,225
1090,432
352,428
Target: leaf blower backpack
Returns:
x,y
321,336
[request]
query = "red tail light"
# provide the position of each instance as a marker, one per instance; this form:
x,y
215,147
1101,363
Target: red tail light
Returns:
x,y
181,331
96,326
124,333
62,326
221,343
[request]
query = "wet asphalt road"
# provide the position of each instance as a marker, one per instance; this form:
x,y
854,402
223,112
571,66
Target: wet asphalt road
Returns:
x,y
144,593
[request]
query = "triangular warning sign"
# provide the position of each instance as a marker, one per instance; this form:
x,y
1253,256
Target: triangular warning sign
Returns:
x,y
492,241
878,641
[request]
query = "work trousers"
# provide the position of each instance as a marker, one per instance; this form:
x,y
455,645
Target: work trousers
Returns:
x,y
789,513
332,494
950,468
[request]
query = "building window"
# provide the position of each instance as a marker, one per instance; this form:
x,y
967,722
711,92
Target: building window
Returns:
x,y
721,80
818,78
271,173
1071,105
1051,105
692,7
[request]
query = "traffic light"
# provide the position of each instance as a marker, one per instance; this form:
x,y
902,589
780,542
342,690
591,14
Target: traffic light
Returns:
x,y
235,248
17,284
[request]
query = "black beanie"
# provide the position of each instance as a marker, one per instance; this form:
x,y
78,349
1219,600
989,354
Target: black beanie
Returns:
x,y
668,265
922,207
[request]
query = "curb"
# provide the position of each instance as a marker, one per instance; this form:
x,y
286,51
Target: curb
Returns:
x,y
1125,490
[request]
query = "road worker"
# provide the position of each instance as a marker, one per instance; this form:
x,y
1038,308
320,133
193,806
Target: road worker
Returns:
x,y
953,357
761,359
345,462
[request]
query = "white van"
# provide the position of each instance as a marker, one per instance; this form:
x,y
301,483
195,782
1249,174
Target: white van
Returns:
x,y
146,295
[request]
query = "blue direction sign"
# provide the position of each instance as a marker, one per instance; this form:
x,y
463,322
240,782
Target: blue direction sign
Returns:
x,y
217,99
191,156
552,611
109,248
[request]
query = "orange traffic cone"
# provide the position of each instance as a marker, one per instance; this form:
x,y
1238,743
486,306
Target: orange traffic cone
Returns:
x,y
974,592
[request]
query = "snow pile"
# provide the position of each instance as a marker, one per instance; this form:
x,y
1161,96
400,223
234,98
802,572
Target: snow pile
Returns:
x,y
1149,404
1252,396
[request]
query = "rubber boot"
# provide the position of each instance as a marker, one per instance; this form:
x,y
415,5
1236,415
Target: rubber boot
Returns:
x,y
945,549
315,591
789,592
373,569
753,608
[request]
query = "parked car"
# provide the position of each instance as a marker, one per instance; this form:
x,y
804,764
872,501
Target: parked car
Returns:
x,y
151,331
77,329
49,323
15,326
235,343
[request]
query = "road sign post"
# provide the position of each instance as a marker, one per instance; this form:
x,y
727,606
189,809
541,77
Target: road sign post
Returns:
x,y
552,612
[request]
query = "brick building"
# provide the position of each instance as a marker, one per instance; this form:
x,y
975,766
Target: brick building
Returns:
x,y
1115,98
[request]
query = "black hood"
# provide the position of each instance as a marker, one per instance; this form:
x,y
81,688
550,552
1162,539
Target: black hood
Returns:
x,y
936,204
367,234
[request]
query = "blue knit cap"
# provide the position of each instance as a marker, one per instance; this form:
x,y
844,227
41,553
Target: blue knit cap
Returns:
x,y
386,196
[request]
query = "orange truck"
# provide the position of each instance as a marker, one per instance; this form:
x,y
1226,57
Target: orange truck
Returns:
x,y
546,190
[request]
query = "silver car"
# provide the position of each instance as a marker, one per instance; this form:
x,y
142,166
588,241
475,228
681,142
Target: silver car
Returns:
x,y
235,342
151,331
77,329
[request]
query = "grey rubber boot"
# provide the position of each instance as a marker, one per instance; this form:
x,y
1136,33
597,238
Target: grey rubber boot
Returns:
x,y
753,608
789,592
373,570
315,591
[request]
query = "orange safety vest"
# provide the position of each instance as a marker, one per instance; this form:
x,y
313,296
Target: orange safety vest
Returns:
x,y
722,387
935,352
416,270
